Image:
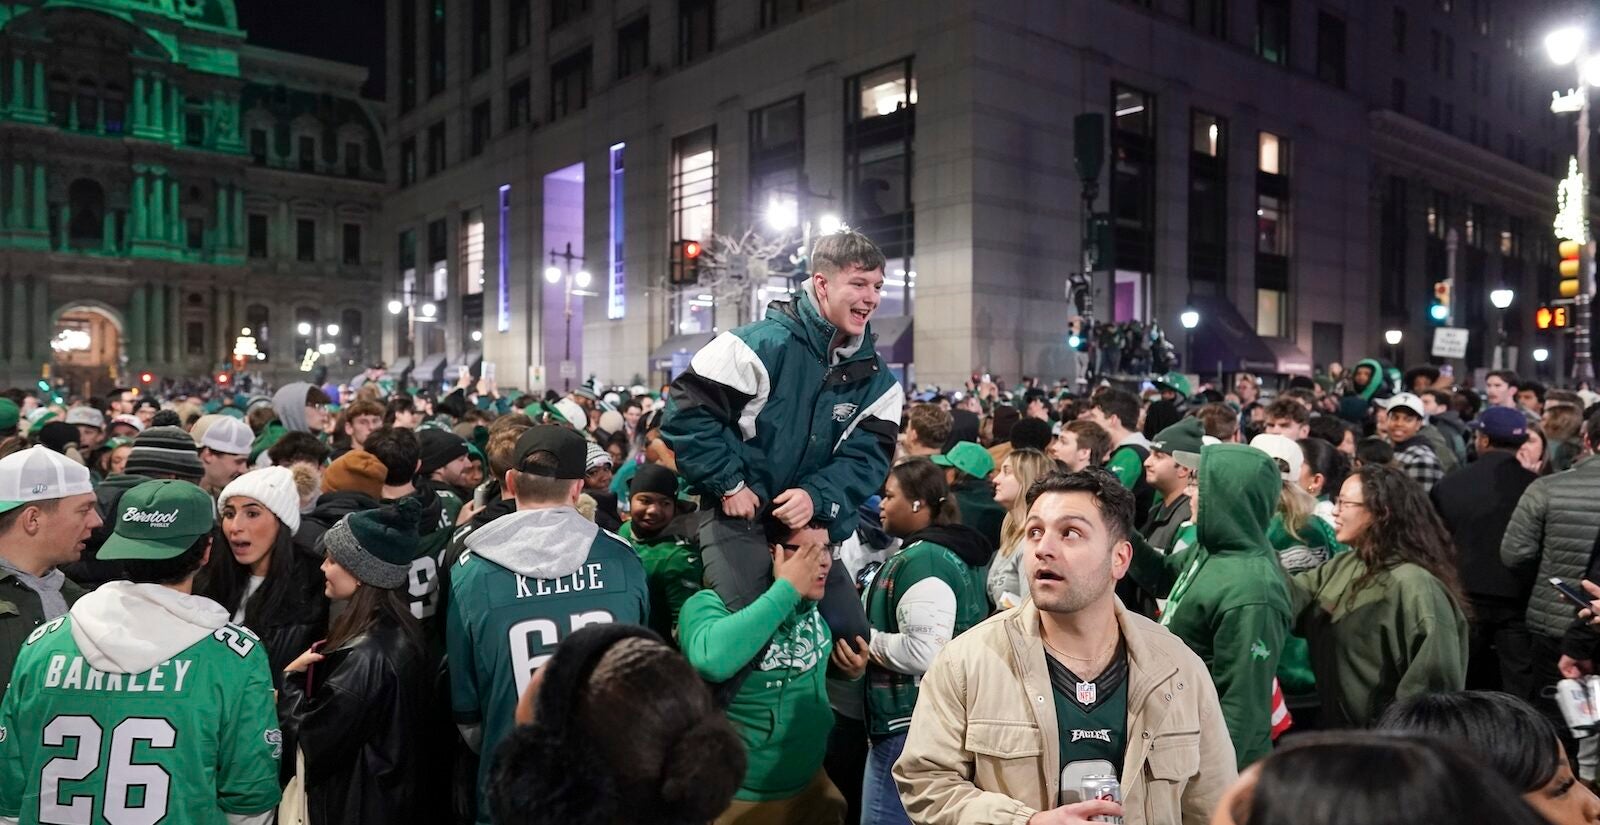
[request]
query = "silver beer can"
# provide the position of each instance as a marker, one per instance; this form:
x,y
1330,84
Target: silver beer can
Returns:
x,y
1102,786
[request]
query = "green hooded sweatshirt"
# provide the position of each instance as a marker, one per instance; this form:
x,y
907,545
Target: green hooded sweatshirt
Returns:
x,y
673,569
781,710
1228,597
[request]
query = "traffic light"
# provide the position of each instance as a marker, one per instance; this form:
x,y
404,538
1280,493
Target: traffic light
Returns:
x,y
223,378
1551,318
147,378
686,262
44,386
1439,312
1570,253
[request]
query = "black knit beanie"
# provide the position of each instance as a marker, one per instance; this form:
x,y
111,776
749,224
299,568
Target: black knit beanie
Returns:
x,y
439,447
654,478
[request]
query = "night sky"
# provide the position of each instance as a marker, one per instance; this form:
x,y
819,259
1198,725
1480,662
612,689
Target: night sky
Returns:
x,y
347,30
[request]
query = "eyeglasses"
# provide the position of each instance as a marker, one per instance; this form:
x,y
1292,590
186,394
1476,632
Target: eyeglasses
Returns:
x,y
1344,503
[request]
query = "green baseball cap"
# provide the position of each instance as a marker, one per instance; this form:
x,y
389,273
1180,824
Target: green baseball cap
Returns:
x,y
10,414
159,520
969,457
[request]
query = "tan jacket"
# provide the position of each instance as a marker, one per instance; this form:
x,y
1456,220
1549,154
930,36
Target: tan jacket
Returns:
x,y
984,746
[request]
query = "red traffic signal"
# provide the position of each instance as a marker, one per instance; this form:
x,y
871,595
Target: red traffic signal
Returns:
x,y
147,378
222,378
691,249
686,262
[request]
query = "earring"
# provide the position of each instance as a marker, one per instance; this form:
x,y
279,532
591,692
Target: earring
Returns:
x,y
915,506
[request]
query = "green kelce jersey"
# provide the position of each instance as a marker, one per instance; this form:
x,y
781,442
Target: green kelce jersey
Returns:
x,y
501,626
188,741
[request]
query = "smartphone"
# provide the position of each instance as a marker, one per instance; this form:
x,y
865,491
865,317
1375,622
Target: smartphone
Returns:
x,y
1572,594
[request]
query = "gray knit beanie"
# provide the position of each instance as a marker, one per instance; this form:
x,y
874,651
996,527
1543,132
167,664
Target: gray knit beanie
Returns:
x,y
377,546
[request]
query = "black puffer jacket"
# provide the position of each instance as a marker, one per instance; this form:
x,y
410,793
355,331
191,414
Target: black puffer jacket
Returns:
x,y
358,728
296,622
330,508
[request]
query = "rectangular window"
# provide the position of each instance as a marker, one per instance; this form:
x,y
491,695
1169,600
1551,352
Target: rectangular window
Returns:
x,y
1272,153
697,34
569,84
472,271
352,244
305,240
194,338
519,24
565,11
408,54
1330,49
1133,145
352,160
633,47
257,235
194,129
1397,31
258,146
407,258
693,189
307,153
778,12
777,153
479,136
519,104
503,265
438,259
1474,227
1272,313
1272,31
438,56
436,149
408,161
1397,95
880,132
194,231
482,22
1209,17
1274,238
1393,232
1208,200
617,294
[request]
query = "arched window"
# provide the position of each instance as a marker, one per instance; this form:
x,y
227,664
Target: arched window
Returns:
x,y
87,199
350,330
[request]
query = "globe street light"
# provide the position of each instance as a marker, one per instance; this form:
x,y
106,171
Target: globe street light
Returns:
x,y
1541,355
1190,319
1564,45
430,310
333,329
552,274
1392,337
304,328
829,224
395,307
1501,298
581,278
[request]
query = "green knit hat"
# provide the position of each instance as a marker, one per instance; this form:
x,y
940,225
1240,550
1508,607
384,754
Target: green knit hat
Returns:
x,y
10,414
377,546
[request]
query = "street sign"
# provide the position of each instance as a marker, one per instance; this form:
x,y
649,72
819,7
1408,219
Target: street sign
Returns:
x,y
569,369
1450,342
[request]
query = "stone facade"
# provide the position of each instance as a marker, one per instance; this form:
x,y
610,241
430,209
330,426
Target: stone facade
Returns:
x,y
157,169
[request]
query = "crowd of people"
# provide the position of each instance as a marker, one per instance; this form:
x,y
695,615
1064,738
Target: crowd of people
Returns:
x,y
787,589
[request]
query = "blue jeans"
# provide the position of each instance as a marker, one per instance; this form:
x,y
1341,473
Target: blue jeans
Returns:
x,y
880,799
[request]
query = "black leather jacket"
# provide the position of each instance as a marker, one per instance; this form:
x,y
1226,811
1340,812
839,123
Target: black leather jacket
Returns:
x,y
301,620
359,728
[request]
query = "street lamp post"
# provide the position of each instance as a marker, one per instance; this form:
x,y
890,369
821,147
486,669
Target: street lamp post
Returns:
x,y
1189,318
580,279
1567,46
1501,298
1392,338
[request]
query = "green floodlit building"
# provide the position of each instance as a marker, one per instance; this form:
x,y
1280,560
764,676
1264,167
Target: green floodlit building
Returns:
x,y
171,195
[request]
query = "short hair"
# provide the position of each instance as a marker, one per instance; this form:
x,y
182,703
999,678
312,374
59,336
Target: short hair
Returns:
x,y
166,418
259,417
516,420
502,448
1306,397
315,397
1428,371
1508,376
1092,437
1374,450
1329,428
1114,500
1031,434
537,489
360,408
398,450
931,423
398,404
10,517
1467,405
1441,397
1506,733
297,446
1290,409
835,253
1219,421
1534,387
1119,404
630,404
776,531
167,571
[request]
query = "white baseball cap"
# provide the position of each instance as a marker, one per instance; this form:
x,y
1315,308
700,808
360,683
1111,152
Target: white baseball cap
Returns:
x,y
1285,450
87,416
1408,401
228,435
40,474
131,420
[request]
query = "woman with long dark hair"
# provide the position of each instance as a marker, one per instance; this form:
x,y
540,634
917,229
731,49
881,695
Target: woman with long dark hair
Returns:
x,y
1323,474
1510,737
351,705
931,589
1386,621
1373,779
262,581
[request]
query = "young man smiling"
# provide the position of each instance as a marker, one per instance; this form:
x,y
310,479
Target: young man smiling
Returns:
x,y
796,415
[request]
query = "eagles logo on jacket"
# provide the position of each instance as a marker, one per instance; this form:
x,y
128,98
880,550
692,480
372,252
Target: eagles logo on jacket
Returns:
x,y
771,406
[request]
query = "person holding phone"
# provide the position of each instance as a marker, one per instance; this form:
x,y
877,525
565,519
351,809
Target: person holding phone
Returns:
x,y
351,705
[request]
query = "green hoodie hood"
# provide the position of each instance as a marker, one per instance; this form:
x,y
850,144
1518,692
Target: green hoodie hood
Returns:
x,y
1239,489
1380,377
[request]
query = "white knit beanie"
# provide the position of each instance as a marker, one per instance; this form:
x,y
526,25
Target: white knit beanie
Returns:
x,y
274,488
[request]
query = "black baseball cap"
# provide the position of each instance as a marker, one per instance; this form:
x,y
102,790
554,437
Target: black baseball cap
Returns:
x,y
570,449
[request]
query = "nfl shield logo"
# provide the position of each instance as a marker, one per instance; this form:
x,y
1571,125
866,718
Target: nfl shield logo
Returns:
x,y
1086,693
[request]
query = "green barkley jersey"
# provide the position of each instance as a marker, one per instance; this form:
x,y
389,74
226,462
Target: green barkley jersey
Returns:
x,y
188,741
501,627
673,569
